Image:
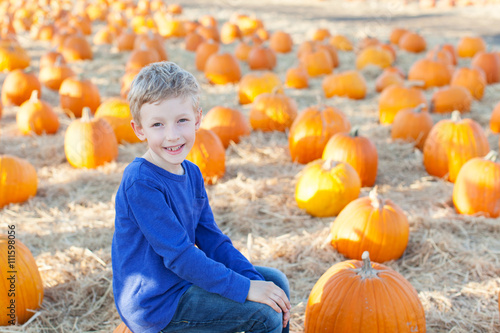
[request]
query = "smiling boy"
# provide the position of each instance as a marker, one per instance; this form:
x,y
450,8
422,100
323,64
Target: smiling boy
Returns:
x,y
173,269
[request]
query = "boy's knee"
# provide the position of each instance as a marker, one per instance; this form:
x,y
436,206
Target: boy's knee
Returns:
x,y
272,320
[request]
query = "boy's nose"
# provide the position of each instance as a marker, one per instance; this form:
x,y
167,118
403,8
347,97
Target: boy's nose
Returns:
x,y
171,134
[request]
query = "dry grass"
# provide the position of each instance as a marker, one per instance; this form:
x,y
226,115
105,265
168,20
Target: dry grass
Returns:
x,y
452,260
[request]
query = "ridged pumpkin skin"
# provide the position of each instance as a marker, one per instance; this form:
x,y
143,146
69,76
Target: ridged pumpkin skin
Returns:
x,y
76,93
451,143
395,98
18,86
375,56
324,187
371,224
358,151
432,72
18,180
468,46
471,78
229,124
273,112
90,142
209,155
349,84
412,124
297,78
116,111
362,297
312,129
222,68
253,84
477,187
28,283
36,116
495,119
450,98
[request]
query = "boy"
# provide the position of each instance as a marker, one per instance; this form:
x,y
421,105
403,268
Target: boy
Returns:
x,y
173,269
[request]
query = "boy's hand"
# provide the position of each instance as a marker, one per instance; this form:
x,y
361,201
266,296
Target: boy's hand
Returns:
x,y
268,293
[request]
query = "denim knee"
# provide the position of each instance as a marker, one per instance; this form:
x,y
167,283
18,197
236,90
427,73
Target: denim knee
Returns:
x,y
272,320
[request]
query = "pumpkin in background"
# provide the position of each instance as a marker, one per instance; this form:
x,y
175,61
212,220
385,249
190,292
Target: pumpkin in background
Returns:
x,y
311,130
395,98
28,282
281,42
18,86
261,58
76,92
116,111
375,56
122,328
317,62
126,40
253,84
126,81
341,43
495,119
230,33
52,76
192,41
489,62
104,36
396,35
49,59
387,78
229,124
297,78
451,143
222,68
203,52
36,116
90,142
471,78
477,187
273,112
209,32
413,125
76,47
18,182
209,155
12,57
361,296
371,224
440,54
358,151
325,187
452,51
320,34
152,41
141,57
451,98
242,50
431,72
468,46
350,84
412,42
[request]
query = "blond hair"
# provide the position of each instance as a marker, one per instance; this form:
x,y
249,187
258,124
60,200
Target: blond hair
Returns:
x,y
160,81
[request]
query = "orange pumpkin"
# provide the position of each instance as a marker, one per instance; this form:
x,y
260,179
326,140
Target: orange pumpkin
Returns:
x,y
18,87
374,56
311,130
27,283
471,78
242,50
36,116
321,34
431,72
261,58
281,42
230,33
451,98
355,296
495,119
255,83
12,57
387,78
75,48
203,52
209,155
272,112
76,92
192,41
317,62
468,46
116,111
358,151
341,43
477,188
451,143
371,224
222,68
324,188
141,57
396,35
297,78
152,41
122,328
52,76
229,124
50,58
413,125
395,98
350,83
90,142
18,183
489,62
412,42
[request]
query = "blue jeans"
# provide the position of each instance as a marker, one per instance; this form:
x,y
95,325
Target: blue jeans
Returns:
x,y
202,311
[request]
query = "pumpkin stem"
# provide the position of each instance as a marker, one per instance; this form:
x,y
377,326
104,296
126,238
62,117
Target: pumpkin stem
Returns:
x,y
491,156
86,114
329,164
419,108
367,271
456,116
376,199
34,96
354,132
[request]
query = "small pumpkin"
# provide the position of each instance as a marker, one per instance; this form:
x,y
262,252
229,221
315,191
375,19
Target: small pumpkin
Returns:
x,y
261,58
450,98
209,155
341,43
116,111
90,142
353,296
297,78
321,34
36,116
203,52
395,98
396,35
371,224
281,42
358,151
222,68
324,188
387,78
52,76
432,72
28,284
50,58
18,86
141,57
468,46
192,41
350,83
413,125
489,62
374,56
75,48
242,50
12,57
311,130
412,42
495,119
317,62
229,124
272,112
77,92
18,183
451,143
253,84
471,78
230,33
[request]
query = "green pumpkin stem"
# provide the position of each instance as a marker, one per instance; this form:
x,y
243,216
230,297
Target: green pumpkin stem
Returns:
x,y
354,131
367,271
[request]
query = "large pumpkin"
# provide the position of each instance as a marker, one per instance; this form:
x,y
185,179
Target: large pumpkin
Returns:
x,y
477,187
312,129
209,155
412,124
363,297
371,224
272,112
90,142
395,98
77,92
325,187
451,143
255,83
229,124
27,283
116,111
36,116
358,151
18,180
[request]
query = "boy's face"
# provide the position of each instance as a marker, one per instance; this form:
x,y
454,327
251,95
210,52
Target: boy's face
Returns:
x,y
170,127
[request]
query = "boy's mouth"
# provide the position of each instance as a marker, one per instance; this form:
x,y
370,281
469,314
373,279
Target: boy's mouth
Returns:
x,y
174,149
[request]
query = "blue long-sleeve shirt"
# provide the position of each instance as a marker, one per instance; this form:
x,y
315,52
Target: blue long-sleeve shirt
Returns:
x,y
165,240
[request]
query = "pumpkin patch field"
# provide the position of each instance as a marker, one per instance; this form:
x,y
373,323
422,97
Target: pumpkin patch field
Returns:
x,y
351,144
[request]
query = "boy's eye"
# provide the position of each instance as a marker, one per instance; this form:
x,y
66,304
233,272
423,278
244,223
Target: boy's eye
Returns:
x,y
156,124
183,120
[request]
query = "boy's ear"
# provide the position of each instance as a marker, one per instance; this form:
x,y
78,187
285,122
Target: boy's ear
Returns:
x,y
138,130
199,117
